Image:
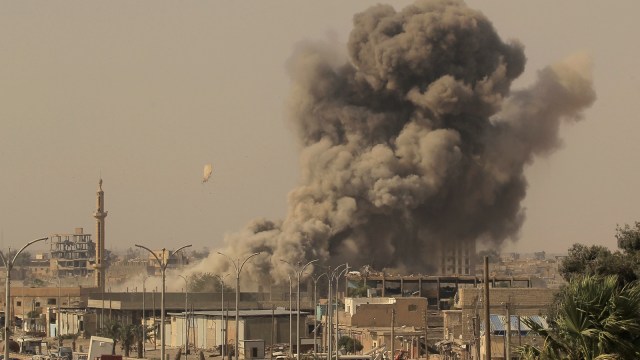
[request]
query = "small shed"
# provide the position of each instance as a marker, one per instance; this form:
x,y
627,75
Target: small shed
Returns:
x,y
252,349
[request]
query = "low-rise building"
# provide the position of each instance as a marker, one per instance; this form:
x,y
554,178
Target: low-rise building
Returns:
x,y
207,328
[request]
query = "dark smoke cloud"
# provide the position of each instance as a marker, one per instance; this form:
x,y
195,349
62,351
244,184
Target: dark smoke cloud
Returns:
x,y
412,141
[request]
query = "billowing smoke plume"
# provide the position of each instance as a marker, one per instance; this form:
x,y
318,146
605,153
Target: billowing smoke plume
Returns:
x,y
413,141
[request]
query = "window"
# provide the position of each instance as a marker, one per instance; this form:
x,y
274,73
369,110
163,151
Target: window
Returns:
x,y
51,301
37,303
254,352
18,303
413,307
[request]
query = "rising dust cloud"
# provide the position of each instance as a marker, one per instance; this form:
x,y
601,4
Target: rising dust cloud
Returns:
x,y
412,140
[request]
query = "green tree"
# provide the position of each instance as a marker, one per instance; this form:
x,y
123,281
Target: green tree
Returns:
x,y
597,260
199,255
360,291
206,282
109,257
595,318
629,238
139,337
131,254
112,330
23,259
127,337
351,345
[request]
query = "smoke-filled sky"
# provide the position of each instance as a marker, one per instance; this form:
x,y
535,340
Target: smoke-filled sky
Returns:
x,y
144,94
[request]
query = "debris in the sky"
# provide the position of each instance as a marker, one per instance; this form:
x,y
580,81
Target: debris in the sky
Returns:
x,y
208,169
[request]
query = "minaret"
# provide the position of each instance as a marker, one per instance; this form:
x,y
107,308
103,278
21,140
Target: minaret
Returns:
x,y
100,214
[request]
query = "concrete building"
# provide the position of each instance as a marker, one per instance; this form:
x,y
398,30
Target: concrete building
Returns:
x,y
38,307
464,325
178,260
72,254
409,312
351,304
458,258
439,290
206,328
371,323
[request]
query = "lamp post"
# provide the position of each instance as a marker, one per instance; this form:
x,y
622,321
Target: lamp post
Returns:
x,y
238,266
58,322
8,264
290,317
337,278
144,317
224,327
315,311
162,263
186,316
298,270
330,312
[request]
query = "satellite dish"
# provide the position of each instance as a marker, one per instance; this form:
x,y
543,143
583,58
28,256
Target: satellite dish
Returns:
x,y
208,169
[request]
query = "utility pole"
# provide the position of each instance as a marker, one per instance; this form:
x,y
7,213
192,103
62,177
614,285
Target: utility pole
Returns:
x,y
58,320
487,311
155,341
290,319
144,318
162,264
393,333
238,265
298,271
508,337
273,327
426,343
186,316
8,264
224,328
329,320
476,333
335,275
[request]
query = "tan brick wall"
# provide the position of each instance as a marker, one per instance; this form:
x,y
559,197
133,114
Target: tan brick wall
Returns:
x,y
409,312
523,301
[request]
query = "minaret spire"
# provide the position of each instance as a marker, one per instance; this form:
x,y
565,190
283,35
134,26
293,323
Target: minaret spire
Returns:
x,y
100,216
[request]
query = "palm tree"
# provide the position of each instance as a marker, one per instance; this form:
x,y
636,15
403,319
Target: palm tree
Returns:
x,y
139,337
127,337
112,330
595,318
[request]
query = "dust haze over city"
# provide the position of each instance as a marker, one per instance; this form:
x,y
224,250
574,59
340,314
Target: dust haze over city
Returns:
x,y
334,137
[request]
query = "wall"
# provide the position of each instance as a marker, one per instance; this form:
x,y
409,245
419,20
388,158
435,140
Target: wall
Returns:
x,y
409,312
523,301
351,304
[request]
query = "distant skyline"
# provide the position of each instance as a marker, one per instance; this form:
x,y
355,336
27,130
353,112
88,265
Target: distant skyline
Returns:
x,y
144,94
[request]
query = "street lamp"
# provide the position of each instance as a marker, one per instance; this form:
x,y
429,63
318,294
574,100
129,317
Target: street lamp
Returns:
x,y
315,311
224,327
163,263
330,311
8,264
337,279
298,270
186,316
238,266
144,317
58,322
290,316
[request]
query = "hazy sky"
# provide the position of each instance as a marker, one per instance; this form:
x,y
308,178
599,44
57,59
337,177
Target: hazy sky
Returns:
x,y
144,93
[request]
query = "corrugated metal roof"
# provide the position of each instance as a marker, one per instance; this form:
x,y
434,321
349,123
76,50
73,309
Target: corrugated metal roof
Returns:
x,y
498,323
241,313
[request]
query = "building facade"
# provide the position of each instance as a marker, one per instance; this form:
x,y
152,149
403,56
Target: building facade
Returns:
x,y
72,254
